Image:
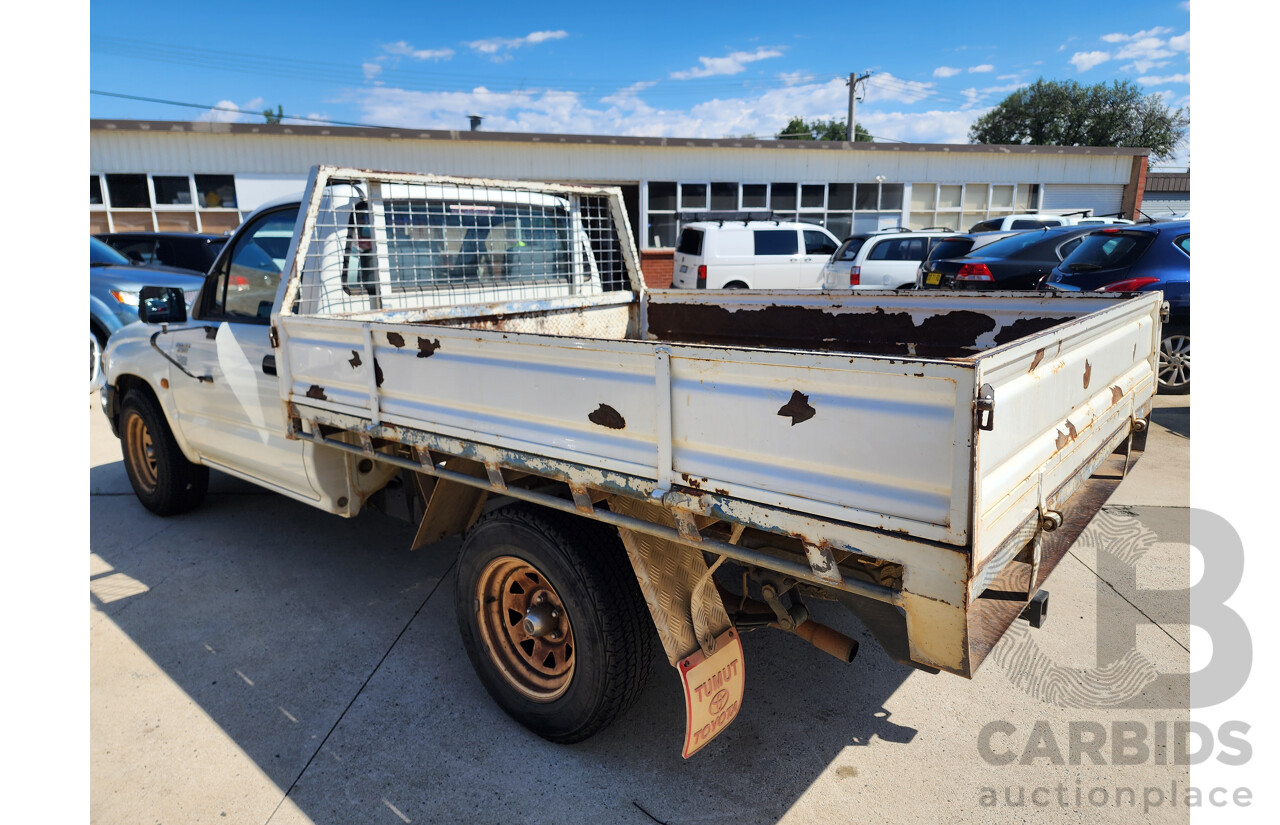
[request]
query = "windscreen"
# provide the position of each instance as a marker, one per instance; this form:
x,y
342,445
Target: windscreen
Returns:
x,y
849,249
1009,246
950,248
690,241
1107,250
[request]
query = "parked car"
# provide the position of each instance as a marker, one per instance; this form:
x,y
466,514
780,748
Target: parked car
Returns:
x,y
955,246
178,250
1020,261
1027,221
879,260
752,255
114,284
1142,258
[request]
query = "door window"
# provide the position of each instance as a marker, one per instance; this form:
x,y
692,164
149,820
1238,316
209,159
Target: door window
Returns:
x,y
250,275
817,243
776,242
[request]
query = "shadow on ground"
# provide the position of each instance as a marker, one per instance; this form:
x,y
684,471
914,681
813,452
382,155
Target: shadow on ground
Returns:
x,y
328,652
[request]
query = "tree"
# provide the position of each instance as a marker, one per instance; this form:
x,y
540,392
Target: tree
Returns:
x,y
274,117
1066,113
798,129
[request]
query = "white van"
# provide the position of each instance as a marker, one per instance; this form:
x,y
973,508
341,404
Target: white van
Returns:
x,y
879,260
1041,220
752,255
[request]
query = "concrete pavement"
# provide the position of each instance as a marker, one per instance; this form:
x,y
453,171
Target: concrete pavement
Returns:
x,y
258,661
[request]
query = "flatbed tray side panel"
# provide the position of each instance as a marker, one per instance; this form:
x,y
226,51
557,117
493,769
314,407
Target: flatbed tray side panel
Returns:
x,y
886,446
886,438
1060,396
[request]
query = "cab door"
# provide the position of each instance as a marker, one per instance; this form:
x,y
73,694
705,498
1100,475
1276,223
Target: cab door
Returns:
x,y
818,249
235,420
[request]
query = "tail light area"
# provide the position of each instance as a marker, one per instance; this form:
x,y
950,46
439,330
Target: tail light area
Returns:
x,y
702,276
974,272
1128,285
855,276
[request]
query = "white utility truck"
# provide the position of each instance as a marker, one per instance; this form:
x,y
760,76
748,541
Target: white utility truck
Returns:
x,y
482,357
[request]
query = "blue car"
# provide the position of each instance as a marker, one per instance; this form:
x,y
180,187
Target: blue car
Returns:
x,y
114,284
1141,258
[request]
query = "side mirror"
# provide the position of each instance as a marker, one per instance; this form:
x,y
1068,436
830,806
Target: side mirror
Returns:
x,y
162,305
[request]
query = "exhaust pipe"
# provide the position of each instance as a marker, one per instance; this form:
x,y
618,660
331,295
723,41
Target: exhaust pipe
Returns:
x,y
828,640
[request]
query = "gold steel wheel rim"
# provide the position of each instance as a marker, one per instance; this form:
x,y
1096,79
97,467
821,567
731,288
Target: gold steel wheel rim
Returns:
x,y
525,629
142,453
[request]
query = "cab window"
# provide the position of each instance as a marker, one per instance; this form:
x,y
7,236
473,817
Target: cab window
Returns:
x,y
250,273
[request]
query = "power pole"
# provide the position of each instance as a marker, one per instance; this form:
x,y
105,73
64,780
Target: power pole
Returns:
x,y
850,131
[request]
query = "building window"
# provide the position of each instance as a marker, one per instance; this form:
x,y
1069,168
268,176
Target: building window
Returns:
x,y
960,206
724,197
128,191
95,191
216,191
172,190
661,221
755,196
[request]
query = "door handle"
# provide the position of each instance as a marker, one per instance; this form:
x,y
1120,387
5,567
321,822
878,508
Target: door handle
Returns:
x,y
269,364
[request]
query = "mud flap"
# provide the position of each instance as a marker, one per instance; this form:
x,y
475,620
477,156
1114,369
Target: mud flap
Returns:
x,y
691,620
451,507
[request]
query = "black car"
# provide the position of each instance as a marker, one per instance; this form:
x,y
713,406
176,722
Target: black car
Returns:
x,y
181,250
1018,262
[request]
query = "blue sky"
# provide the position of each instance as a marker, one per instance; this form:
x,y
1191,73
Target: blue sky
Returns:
x,y
704,70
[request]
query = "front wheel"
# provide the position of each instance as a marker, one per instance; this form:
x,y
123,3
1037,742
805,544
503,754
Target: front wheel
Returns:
x,y
1175,361
162,478
95,359
553,620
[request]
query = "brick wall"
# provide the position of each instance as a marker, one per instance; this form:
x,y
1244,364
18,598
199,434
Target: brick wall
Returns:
x,y
657,266
1135,189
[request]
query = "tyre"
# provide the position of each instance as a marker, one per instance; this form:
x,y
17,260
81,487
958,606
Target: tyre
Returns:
x,y
735,285
162,478
95,358
553,620
1175,361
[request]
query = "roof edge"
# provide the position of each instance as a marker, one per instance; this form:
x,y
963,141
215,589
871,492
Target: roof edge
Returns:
x,y
385,133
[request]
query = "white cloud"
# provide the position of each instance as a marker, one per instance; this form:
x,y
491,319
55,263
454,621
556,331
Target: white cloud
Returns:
x,y
730,64
1181,43
885,87
795,78
403,49
1160,81
1007,77
371,70
499,48
1123,38
628,96
945,71
985,67
922,127
1084,61
221,115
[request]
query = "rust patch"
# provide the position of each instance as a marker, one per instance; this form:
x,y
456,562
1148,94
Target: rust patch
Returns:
x,y
395,339
945,335
1071,428
427,347
354,360
1023,327
211,333
798,408
317,392
607,416
1088,370
1116,395
1035,362
377,373
1062,440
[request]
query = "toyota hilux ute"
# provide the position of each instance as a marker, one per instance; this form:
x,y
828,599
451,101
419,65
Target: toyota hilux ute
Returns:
x,y
483,357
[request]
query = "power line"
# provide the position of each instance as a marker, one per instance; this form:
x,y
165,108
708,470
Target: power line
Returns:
x,y
237,111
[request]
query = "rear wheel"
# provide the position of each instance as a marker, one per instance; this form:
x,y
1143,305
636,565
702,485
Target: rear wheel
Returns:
x,y
162,478
553,620
735,285
1175,361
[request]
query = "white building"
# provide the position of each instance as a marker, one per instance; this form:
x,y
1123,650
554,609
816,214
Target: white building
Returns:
x,y
162,175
